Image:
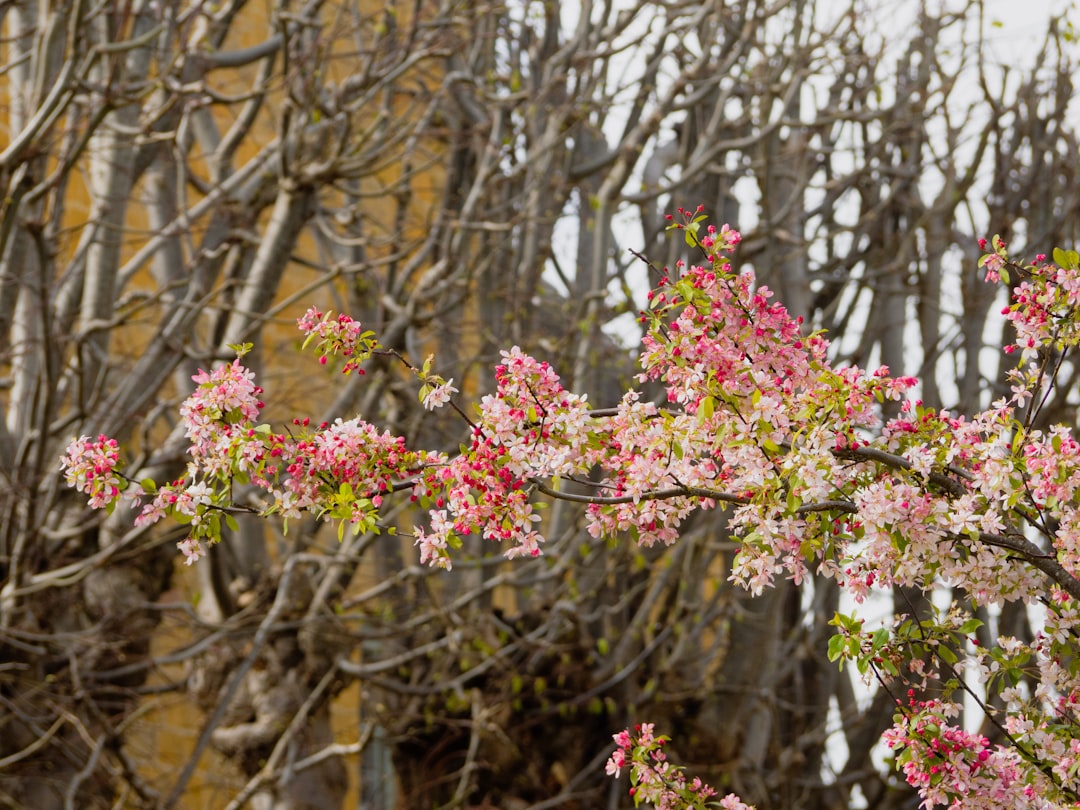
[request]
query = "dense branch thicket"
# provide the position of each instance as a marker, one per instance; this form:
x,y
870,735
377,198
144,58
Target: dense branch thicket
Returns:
x,y
180,178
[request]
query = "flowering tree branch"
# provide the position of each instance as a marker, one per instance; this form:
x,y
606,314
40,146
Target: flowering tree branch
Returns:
x,y
758,420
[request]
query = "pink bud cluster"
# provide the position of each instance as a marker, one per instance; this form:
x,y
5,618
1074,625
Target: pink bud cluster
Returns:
x,y
341,336
348,452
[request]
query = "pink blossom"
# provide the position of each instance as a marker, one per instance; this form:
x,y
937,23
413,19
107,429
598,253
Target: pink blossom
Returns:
x,y
192,549
439,395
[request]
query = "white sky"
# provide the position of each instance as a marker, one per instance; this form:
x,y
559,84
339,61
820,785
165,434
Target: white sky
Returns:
x,y
1025,19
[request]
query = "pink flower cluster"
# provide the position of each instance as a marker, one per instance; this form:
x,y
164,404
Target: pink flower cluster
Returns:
x,y
90,466
654,779
1045,307
531,428
954,768
340,471
340,336
218,419
348,453
225,403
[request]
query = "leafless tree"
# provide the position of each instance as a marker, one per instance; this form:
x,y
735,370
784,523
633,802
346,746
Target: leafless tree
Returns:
x,y
181,177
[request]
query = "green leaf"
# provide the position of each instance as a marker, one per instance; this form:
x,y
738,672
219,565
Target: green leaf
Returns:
x,y
1066,259
837,645
706,408
970,626
880,638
